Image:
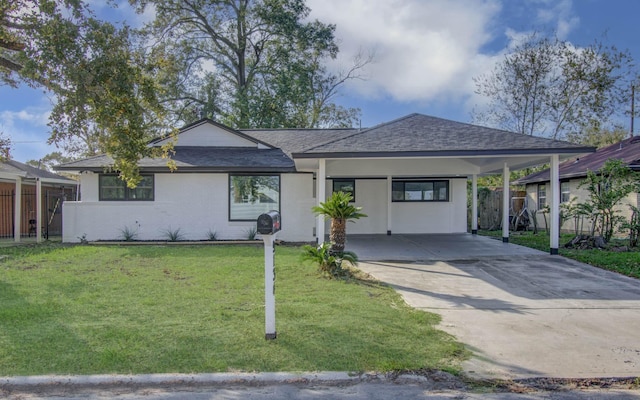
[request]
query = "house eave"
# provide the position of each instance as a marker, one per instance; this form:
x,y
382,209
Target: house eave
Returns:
x,y
442,153
190,170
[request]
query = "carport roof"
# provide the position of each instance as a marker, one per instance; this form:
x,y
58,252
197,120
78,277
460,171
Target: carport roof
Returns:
x,y
421,135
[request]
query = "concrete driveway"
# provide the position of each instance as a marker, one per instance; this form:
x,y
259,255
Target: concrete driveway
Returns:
x,y
522,312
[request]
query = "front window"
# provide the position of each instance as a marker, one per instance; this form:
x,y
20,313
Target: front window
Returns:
x,y
112,188
565,192
420,191
252,195
542,196
346,186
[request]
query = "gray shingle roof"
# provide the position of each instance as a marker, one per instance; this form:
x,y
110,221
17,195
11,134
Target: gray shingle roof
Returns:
x,y
413,135
627,150
298,140
192,159
18,168
425,135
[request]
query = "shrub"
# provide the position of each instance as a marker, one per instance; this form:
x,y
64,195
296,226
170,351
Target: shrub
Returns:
x,y
251,233
173,235
128,234
329,262
212,234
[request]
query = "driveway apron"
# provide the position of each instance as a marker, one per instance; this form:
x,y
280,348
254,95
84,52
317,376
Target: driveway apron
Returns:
x,y
521,312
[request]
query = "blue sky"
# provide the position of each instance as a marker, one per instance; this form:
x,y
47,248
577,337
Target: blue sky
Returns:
x,y
426,54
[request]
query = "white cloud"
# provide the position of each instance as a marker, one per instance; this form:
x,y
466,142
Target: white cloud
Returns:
x,y
558,14
423,50
28,132
429,51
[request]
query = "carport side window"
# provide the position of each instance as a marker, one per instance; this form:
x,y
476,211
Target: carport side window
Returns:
x,y
542,196
422,190
346,186
565,192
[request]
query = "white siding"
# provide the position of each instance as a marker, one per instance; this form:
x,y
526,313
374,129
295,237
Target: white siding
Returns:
x,y
407,217
371,195
210,135
433,217
194,203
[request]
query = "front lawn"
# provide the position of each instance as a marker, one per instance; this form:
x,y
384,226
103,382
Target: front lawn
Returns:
x,y
626,263
158,309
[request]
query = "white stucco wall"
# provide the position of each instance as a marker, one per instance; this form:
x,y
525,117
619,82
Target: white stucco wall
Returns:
x,y
407,217
194,203
433,217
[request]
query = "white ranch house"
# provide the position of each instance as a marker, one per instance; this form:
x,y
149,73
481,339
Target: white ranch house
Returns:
x,y
410,176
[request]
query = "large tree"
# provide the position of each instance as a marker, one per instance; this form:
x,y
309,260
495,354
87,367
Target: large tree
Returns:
x,y
5,147
248,63
548,87
100,82
49,161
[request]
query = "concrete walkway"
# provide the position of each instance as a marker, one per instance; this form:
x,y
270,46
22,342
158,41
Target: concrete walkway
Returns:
x,y
523,313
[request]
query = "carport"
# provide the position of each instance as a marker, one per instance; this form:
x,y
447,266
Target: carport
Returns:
x,y
410,175
523,313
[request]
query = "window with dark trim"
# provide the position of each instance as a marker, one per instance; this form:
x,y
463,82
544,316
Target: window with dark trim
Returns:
x,y
252,195
112,188
420,190
565,192
542,196
346,186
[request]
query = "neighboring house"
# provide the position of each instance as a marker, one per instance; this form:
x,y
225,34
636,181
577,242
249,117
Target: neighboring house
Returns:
x,y
19,203
409,175
574,171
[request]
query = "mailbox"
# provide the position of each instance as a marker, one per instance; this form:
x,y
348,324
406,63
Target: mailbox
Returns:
x,y
269,223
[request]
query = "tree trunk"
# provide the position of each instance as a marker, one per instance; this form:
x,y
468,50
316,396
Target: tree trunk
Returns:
x,y
338,234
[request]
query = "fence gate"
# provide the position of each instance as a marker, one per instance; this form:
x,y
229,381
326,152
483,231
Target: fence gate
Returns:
x,y
53,223
52,213
7,211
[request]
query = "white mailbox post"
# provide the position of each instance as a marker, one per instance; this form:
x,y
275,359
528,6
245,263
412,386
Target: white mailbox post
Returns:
x,y
268,226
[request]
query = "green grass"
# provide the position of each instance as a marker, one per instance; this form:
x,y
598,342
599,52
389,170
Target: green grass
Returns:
x,y
626,263
158,309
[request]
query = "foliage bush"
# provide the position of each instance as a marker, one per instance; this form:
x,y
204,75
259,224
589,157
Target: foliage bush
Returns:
x,y
173,235
128,234
212,234
251,233
328,261
607,187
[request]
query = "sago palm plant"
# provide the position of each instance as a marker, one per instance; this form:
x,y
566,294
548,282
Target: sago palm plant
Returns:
x,y
327,261
338,208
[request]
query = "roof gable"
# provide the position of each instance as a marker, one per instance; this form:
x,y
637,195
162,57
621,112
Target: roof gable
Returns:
x,y
208,133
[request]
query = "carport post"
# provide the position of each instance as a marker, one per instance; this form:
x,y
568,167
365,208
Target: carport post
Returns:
x,y
38,210
17,211
505,203
321,197
389,202
554,234
474,204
